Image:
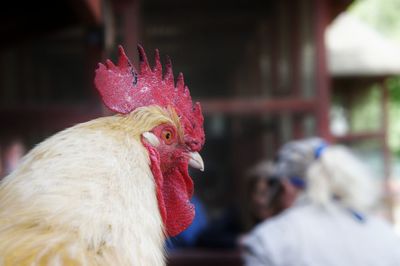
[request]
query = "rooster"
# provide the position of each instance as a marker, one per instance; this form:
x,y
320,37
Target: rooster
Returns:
x,y
108,191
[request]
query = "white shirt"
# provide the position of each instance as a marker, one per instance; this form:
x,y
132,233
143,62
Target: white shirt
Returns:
x,y
308,235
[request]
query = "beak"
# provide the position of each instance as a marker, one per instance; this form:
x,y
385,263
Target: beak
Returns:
x,y
196,161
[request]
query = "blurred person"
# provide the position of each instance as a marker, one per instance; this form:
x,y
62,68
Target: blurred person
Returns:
x,y
13,153
260,203
329,222
1,162
266,195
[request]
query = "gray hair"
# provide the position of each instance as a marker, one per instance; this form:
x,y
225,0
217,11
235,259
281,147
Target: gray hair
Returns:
x,y
263,169
341,174
295,157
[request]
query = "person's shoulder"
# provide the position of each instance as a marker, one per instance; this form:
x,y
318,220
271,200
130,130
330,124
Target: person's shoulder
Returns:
x,y
273,237
281,222
378,221
381,225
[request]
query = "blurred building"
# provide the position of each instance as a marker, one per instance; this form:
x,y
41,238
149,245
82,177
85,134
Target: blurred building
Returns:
x,y
356,65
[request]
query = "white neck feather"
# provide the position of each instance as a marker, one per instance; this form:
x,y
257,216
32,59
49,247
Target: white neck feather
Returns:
x,y
97,185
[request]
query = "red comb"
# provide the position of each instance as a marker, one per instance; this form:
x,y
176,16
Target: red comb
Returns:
x,y
123,89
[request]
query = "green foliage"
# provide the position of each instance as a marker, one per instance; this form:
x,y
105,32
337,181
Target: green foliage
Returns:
x,y
393,85
365,115
382,15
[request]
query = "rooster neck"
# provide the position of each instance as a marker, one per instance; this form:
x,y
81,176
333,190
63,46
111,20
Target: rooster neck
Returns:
x,y
92,181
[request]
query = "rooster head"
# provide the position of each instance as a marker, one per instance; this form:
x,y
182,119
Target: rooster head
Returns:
x,y
172,130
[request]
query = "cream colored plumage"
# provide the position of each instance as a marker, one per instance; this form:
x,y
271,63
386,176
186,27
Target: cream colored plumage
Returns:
x,y
85,196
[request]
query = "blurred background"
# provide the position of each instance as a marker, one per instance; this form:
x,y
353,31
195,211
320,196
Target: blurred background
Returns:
x,y
265,72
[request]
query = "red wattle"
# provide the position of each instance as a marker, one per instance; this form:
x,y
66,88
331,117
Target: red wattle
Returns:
x,y
177,191
174,190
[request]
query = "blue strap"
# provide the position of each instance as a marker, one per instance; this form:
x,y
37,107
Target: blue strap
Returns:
x,y
297,181
319,150
358,216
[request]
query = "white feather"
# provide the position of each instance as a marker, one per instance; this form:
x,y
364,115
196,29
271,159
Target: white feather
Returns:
x,y
151,138
95,184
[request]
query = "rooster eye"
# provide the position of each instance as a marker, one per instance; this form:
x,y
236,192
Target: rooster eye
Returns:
x,y
167,136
